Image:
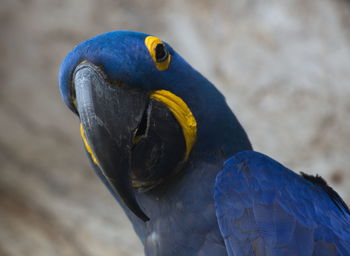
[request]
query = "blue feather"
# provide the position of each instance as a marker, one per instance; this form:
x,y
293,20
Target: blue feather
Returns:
x,y
263,208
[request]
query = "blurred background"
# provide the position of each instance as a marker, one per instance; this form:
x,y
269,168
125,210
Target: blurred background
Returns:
x,y
284,67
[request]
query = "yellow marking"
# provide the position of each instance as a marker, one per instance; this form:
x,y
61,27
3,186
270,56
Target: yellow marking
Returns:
x,y
136,185
86,144
182,114
137,139
151,43
74,103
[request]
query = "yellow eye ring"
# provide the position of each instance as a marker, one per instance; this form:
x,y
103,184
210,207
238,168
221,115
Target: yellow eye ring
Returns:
x,y
160,55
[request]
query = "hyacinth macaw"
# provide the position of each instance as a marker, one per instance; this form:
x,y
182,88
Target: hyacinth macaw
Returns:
x,y
165,143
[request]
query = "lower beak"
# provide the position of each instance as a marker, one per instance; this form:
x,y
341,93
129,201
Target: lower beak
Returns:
x,y
109,115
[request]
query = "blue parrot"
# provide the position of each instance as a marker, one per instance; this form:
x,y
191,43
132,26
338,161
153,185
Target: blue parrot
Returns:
x,y
163,140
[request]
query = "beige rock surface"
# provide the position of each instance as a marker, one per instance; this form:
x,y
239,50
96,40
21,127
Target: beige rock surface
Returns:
x,y
284,66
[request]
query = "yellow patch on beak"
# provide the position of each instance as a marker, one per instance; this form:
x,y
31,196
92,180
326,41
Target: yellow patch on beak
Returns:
x,y
182,114
158,52
86,144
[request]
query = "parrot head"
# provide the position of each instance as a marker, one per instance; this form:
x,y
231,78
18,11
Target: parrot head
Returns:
x,y
144,111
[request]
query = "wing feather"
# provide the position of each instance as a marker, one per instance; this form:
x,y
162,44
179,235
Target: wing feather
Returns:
x,y
263,208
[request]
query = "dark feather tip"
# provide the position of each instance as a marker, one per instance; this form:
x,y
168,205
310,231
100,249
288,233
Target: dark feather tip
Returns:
x,y
333,195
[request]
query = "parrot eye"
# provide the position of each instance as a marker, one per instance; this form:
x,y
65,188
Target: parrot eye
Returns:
x,y
158,52
161,53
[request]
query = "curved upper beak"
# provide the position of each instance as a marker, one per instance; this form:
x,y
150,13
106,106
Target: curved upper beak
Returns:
x,y
110,115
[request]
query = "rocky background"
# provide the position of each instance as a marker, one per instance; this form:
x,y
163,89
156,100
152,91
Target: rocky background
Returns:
x,y
283,65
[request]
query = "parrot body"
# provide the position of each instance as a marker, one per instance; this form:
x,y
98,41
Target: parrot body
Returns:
x,y
165,143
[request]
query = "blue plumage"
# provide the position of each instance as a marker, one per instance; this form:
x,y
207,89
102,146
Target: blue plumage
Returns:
x,y
265,209
253,206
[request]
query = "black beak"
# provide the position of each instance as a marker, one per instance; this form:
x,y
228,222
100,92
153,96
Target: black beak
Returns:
x,y
110,114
